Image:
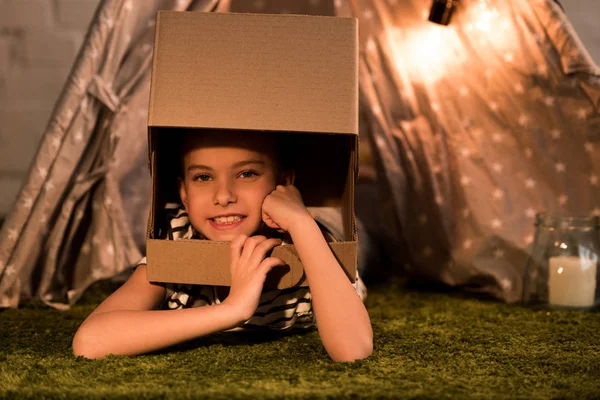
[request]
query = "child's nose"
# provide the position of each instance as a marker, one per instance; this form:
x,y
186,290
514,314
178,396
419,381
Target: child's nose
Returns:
x,y
224,194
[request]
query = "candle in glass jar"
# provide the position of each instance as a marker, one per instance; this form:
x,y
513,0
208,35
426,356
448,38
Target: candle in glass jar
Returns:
x,y
572,281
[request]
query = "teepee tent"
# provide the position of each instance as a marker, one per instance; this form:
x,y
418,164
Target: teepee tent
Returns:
x,y
472,127
80,214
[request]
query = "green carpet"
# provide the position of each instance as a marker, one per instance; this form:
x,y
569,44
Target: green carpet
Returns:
x,y
427,345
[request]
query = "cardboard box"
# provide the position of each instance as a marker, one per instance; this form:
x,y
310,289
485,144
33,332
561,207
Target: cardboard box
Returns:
x,y
291,75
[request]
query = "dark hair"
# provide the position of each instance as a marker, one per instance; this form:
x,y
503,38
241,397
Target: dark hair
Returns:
x,y
283,143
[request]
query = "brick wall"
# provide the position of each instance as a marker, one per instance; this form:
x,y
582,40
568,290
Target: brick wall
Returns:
x,y
39,40
38,43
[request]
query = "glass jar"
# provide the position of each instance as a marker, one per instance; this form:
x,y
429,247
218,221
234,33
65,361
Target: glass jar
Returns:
x,y
562,271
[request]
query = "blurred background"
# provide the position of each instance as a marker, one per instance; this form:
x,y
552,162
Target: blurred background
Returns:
x,y
39,40
466,132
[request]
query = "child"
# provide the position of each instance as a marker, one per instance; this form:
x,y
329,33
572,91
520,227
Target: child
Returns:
x,y
234,187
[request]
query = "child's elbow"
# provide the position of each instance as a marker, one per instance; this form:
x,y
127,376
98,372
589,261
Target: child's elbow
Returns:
x,y
83,346
359,351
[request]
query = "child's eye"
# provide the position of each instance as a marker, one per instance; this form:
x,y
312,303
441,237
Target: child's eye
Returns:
x,y
201,178
248,174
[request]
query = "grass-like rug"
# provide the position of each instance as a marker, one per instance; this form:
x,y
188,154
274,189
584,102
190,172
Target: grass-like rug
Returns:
x,y
427,345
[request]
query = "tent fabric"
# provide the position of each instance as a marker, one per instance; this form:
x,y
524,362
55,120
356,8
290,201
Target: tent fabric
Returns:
x,y
475,127
81,213
472,127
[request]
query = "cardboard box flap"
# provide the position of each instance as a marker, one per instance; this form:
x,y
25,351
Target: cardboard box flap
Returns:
x,y
195,262
347,201
255,72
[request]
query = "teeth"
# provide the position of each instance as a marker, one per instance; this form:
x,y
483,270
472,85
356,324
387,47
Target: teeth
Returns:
x,y
227,220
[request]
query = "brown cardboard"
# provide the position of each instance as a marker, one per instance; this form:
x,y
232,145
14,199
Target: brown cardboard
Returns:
x,y
280,74
195,265
255,72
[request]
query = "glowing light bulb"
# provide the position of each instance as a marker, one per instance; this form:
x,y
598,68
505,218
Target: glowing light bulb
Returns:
x,y
427,52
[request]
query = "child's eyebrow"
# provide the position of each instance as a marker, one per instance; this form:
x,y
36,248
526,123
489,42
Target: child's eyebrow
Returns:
x,y
199,166
247,162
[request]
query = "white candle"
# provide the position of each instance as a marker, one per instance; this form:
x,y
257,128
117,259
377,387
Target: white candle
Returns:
x,y
572,281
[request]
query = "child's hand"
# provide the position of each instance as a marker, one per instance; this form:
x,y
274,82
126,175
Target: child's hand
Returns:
x,y
283,207
249,268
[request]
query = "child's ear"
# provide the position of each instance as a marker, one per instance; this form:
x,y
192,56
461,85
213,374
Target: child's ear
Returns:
x,y
182,192
288,177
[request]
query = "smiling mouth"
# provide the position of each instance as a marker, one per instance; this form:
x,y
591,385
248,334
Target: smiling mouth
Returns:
x,y
228,220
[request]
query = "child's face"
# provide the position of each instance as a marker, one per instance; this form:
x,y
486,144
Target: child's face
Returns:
x,y
226,178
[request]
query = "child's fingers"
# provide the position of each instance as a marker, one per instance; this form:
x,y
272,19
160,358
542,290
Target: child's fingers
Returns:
x,y
236,247
289,191
268,263
269,222
262,249
249,247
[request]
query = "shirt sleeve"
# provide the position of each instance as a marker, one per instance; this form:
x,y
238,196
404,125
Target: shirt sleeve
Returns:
x,y
141,262
360,288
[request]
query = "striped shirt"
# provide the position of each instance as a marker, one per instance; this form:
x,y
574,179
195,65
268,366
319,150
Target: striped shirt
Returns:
x,y
278,309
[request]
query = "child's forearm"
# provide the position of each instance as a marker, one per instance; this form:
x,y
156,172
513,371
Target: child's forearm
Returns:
x,y
342,319
130,332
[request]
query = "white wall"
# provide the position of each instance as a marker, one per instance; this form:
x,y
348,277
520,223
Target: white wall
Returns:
x,y
39,40
585,18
